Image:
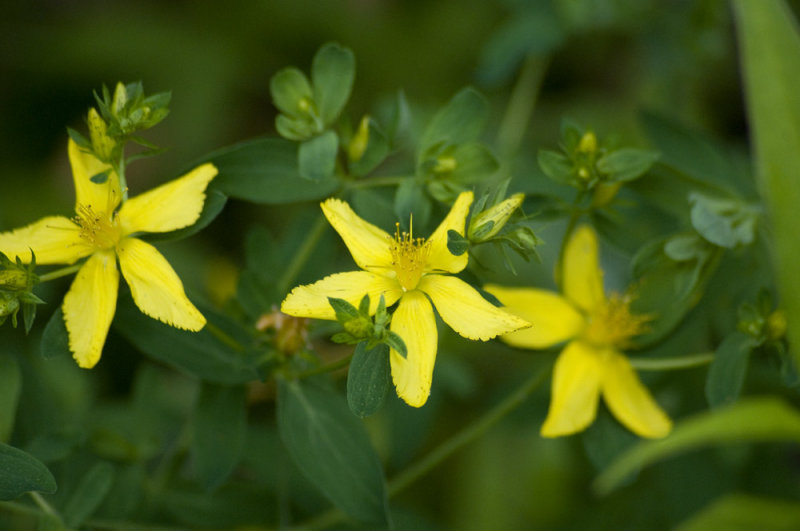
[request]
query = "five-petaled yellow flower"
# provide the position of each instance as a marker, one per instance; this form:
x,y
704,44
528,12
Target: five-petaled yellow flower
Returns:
x,y
591,364
105,234
410,270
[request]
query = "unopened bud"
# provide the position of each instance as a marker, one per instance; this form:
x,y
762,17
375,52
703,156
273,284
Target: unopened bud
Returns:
x,y
445,165
489,222
102,144
120,99
588,143
776,324
291,333
604,193
358,144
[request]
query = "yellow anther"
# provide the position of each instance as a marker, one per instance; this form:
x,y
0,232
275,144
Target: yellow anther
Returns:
x,y
101,230
612,324
409,257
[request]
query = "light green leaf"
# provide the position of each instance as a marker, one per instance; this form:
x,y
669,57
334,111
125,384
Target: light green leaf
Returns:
x,y
770,56
220,430
10,385
742,512
461,120
21,472
331,448
727,371
89,494
288,88
317,157
753,420
626,164
368,379
265,171
724,222
333,70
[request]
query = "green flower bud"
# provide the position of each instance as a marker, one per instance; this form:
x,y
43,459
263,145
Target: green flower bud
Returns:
x,y
358,144
489,222
102,144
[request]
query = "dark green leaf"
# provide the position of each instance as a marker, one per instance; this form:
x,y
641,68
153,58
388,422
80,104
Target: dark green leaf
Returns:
x,y
89,494
456,243
750,420
317,157
99,178
396,342
331,448
332,73
556,166
460,121
220,429
199,353
368,379
411,200
743,512
55,340
727,371
10,386
265,171
344,310
21,472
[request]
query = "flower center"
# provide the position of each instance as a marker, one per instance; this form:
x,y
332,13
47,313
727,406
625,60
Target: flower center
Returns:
x,y
409,256
612,323
98,228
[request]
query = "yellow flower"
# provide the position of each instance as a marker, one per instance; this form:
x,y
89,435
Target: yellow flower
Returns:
x,y
104,234
591,364
410,270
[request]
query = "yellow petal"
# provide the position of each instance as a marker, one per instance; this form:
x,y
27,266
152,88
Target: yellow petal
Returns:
x,y
156,288
312,300
89,307
440,257
466,311
553,319
415,322
583,278
575,390
369,245
103,197
54,240
630,401
171,206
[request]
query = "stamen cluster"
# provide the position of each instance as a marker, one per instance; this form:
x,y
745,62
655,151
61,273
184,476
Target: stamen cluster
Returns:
x,y
98,228
409,256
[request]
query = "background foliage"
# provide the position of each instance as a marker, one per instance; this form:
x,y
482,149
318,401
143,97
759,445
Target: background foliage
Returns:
x,y
152,437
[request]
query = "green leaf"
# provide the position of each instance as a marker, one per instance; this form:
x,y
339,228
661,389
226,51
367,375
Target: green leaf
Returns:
x,y
394,341
627,164
89,494
752,420
21,472
266,171
220,430
289,87
474,162
317,157
555,165
742,512
724,222
727,371
770,56
55,340
333,70
99,178
215,202
460,121
10,385
201,353
331,448
343,309
368,379
456,243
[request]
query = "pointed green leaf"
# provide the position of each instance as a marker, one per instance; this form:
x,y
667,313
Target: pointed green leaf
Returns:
x,y
627,164
55,341
220,430
265,171
727,371
753,420
460,121
317,157
10,385
332,449
21,472
333,70
770,57
89,494
368,379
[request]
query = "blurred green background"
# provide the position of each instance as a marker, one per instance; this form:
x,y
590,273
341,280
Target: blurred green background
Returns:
x,y
607,60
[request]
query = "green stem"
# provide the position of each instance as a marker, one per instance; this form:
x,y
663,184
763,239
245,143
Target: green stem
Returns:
x,y
374,182
58,273
224,337
468,434
669,364
328,367
123,183
520,105
302,255
42,503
